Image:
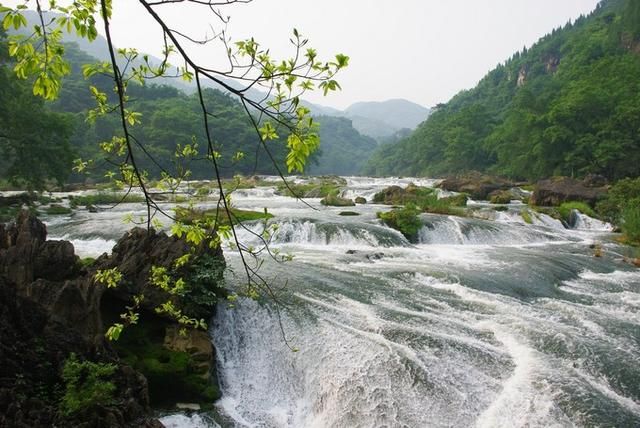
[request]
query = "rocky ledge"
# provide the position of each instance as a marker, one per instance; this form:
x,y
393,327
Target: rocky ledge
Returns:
x,y
57,368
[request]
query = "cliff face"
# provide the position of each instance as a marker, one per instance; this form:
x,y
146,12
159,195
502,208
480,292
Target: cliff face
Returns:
x,y
50,307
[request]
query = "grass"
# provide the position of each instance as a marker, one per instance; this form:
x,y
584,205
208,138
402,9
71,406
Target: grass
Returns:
x,y
172,375
55,209
526,216
566,208
425,199
631,221
191,215
317,188
104,198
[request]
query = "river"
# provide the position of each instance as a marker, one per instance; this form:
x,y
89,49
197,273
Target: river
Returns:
x,y
487,323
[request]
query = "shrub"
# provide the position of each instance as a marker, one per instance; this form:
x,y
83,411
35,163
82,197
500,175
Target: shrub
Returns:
x,y
405,220
104,198
58,210
567,207
631,220
611,207
87,384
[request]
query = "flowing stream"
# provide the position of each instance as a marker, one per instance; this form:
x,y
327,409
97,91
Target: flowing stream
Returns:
x,y
487,323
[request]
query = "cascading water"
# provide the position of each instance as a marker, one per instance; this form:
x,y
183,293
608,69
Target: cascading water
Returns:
x,y
481,323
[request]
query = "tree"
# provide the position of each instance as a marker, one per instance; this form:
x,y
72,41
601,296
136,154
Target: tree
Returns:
x,y
273,112
34,142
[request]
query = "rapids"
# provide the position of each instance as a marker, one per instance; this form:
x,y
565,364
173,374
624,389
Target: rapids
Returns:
x,y
485,323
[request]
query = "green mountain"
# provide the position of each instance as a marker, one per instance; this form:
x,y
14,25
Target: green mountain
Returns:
x,y
568,105
170,116
343,150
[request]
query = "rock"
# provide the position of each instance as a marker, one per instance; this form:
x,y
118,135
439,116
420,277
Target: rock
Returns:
x,y
50,307
16,200
555,191
336,201
25,256
351,252
500,197
134,255
475,184
595,180
34,346
375,256
396,195
92,209
360,200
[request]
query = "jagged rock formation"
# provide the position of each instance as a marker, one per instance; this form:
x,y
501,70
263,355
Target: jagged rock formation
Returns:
x,y
51,307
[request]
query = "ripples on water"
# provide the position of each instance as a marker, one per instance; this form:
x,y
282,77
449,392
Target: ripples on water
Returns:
x,y
482,323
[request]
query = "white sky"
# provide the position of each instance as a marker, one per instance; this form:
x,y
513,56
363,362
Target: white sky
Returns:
x,y
422,50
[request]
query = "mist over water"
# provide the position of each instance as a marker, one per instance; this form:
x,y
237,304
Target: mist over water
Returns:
x,y
481,323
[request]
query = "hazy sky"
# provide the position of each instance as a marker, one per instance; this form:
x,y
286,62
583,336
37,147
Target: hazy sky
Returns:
x,y
422,50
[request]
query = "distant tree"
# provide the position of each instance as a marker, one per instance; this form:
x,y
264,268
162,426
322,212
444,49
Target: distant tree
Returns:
x,y
34,142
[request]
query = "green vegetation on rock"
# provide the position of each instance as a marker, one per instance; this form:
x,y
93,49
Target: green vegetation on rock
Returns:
x,y
171,375
104,198
405,220
567,208
191,215
87,385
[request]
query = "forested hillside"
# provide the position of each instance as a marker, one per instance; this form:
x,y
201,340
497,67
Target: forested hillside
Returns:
x,y
343,151
55,133
569,105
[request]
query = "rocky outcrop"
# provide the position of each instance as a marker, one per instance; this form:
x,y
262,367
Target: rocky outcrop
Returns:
x,y
337,201
555,191
396,195
49,310
475,184
51,307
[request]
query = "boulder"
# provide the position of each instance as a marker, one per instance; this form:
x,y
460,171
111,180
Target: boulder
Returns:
x,y
337,201
557,190
360,200
475,184
396,195
500,197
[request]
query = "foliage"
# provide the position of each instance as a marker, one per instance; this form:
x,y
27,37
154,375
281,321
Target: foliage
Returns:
x,y
315,188
343,151
631,220
103,198
171,375
566,106
190,216
34,141
87,385
619,196
526,216
55,209
425,198
405,220
566,208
